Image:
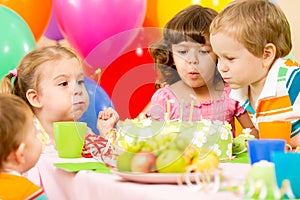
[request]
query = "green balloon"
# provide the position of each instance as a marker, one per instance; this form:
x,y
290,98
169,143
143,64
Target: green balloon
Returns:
x,y
16,40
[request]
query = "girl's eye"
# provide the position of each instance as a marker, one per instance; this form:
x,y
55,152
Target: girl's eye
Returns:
x,y
182,51
80,82
65,83
203,52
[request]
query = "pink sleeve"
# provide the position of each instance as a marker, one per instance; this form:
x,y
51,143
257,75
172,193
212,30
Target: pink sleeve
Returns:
x,y
235,106
158,106
239,109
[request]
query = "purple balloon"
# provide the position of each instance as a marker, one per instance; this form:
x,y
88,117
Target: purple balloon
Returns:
x,y
52,32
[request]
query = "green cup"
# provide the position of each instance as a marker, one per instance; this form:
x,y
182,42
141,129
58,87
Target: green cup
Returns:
x,y
69,138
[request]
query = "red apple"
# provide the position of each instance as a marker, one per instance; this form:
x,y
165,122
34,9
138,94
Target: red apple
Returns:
x,y
143,162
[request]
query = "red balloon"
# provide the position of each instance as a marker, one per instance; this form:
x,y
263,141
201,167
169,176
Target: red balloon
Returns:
x,y
128,76
129,81
140,98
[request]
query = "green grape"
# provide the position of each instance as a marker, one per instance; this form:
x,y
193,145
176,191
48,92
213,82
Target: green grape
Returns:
x,y
147,148
141,143
172,145
134,148
151,143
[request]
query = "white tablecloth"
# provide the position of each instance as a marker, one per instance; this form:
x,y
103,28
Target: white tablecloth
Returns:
x,y
60,184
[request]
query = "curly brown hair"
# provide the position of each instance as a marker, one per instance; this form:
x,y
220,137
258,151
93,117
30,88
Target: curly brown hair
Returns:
x,y
190,24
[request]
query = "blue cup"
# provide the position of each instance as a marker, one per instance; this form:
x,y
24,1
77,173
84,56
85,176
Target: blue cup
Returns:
x,y
262,149
287,172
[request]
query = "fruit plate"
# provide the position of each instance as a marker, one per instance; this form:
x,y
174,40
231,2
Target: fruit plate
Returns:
x,y
149,177
158,178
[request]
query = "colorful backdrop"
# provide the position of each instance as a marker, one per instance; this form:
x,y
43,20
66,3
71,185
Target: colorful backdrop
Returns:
x,y
111,37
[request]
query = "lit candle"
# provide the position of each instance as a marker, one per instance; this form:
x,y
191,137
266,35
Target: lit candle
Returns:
x,y
98,72
181,109
169,108
192,107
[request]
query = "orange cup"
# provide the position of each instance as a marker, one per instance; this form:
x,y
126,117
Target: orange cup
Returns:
x,y
275,130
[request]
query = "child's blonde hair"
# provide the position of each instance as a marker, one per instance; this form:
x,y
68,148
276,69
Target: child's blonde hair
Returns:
x,y
14,115
27,74
255,23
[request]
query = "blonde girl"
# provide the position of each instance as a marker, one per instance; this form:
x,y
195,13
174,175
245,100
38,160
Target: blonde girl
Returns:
x,y
51,81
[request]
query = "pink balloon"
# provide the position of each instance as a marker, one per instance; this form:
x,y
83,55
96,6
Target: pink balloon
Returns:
x,y
86,23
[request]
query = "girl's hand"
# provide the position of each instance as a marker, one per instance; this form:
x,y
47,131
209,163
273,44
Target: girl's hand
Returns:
x,y
107,120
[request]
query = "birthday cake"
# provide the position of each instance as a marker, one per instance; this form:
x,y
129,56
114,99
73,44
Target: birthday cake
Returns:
x,y
145,135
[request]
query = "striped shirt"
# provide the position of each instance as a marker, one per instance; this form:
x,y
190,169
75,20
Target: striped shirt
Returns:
x,y
279,99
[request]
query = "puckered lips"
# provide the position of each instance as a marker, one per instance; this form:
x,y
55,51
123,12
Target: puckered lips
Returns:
x,y
78,103
193,74
226,79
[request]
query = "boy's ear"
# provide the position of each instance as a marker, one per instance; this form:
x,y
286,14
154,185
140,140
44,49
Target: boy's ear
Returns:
x,y
19,153
33,98
269,54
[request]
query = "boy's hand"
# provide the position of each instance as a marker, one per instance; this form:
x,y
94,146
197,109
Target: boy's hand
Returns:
x,y
107,120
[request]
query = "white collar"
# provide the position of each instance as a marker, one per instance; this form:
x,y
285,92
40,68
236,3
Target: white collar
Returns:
x,y
240,95
13,172
270,88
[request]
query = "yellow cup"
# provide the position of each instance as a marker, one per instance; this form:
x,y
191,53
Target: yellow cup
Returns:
x,y
275,130
69,138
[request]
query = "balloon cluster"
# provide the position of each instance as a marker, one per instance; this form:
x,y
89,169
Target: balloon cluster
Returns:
x,y
112,37
127,69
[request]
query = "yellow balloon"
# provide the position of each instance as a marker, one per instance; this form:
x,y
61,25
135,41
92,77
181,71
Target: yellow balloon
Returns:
x,y
166,9
217,5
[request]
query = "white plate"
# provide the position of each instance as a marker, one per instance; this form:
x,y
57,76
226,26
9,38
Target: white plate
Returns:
x,y
159,178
